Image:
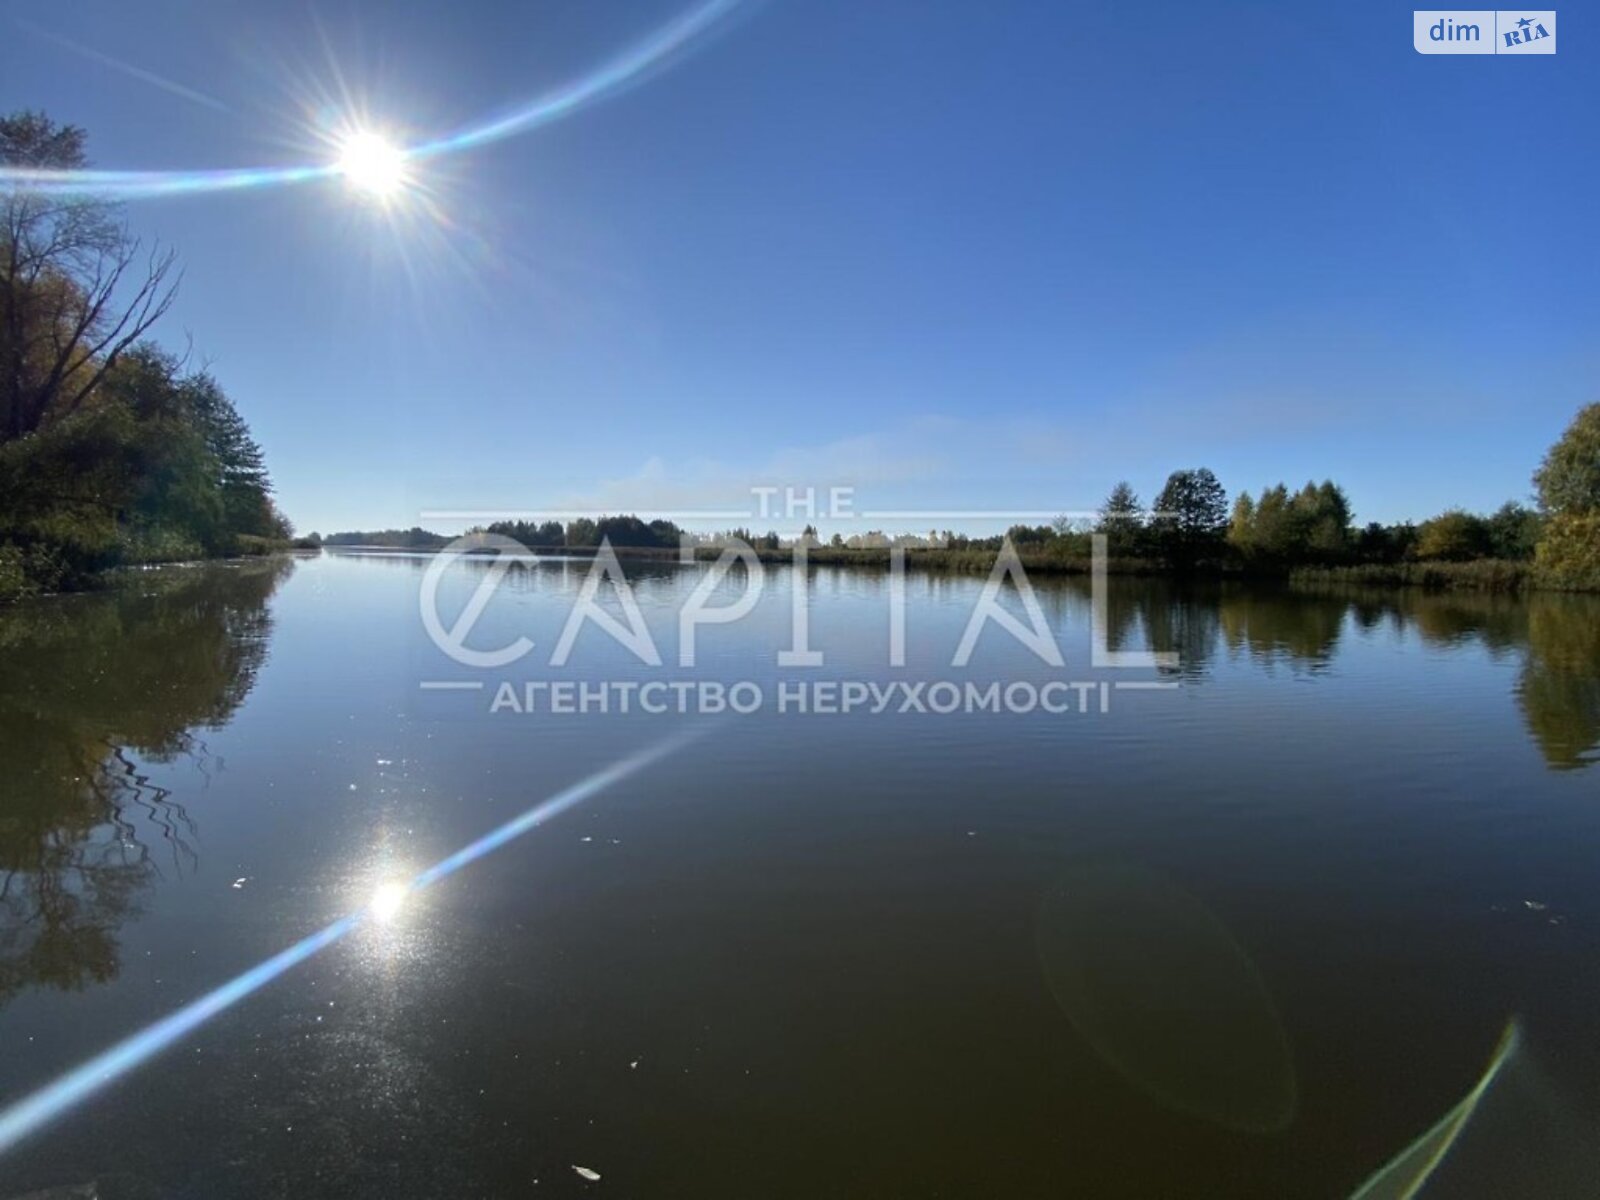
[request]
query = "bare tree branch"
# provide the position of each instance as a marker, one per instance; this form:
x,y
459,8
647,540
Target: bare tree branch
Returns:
x,y
71,301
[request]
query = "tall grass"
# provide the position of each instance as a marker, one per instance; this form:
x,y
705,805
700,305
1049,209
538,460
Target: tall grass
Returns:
x,y
970,561
1484,575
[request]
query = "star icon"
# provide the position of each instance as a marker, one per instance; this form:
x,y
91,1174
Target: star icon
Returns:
x,y
1525,22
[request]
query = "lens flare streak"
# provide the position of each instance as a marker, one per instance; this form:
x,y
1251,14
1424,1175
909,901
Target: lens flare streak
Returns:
x,y
32,1113
627,69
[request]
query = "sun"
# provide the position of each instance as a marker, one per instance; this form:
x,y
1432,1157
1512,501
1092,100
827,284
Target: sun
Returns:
x,y
372,164
387,901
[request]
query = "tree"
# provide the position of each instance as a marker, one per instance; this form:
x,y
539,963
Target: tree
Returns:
x,y
629,530
1568,481
1568,484
1278,532
1242,525
581,532
1191,515
1121,508
1313,525
156,465
1453,536
1030,535
1264,530
201,476
415,538
1323,512
241,470
175,507
1121,519
1513,531
1385,543
73,296
1569,551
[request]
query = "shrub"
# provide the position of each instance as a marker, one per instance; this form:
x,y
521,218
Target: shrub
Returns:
x,y
1569,552
1453,536
14,581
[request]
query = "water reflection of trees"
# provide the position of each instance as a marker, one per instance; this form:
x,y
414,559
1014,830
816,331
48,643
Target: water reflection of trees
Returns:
x,y
1556,637
1196,622
1559,687
91,685
1275,626
1158,615
1499,623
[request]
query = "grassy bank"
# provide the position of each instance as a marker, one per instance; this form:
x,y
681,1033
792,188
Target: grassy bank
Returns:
x,y
971,561
22,579
1481,575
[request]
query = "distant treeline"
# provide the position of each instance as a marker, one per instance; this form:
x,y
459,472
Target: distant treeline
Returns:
x,y
1190,526
112,451
582,534
391,539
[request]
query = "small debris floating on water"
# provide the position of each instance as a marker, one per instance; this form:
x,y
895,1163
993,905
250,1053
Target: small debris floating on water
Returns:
x,y
1535,905
241,881
591,1176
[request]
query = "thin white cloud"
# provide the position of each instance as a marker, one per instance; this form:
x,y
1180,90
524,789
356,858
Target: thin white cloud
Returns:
x,y
126,68
862,461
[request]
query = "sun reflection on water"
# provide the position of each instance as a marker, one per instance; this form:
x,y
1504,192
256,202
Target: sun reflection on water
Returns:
x,y
387,901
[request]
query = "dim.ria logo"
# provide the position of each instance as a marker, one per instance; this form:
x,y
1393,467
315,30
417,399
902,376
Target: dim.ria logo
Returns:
x,y
1484,31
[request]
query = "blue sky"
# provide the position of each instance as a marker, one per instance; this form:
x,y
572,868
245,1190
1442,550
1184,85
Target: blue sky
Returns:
x,y
957,255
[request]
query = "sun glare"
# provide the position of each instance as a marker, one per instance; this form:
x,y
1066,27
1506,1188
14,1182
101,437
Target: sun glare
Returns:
x,y
373,165
387,901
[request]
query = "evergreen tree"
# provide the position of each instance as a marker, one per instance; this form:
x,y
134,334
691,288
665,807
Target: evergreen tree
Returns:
x,y
1191,516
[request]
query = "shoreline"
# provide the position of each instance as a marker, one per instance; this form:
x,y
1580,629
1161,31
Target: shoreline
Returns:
x,y
1483,576
1499,576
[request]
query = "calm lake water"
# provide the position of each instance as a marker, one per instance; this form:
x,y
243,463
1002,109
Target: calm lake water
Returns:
x,y
1251,936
